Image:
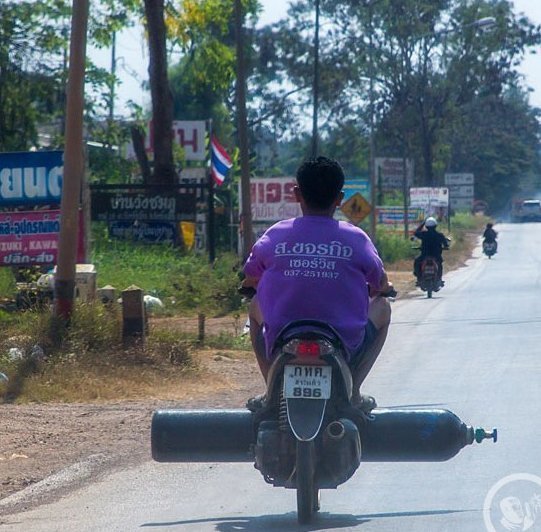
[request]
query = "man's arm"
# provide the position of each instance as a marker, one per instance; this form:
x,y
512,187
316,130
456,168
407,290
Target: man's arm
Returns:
x,y
419,230
250,282
384,286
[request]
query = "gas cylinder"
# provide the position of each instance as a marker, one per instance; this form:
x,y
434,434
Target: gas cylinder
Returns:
x,y
387,435
202,435
407,435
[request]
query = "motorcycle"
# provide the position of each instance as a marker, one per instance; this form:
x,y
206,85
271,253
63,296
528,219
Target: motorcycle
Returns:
x,y
307,435
430,279
490,248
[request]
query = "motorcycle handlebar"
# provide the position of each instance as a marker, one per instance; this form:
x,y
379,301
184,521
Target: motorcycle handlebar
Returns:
x,y
247,291
390,293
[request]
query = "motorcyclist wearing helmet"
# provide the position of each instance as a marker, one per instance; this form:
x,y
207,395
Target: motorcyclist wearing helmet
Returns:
x,y
432,244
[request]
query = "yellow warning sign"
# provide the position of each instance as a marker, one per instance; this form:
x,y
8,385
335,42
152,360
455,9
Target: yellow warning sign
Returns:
x,y
356,208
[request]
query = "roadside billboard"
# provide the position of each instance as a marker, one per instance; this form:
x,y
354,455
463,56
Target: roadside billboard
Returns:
x,y
461,191
428,197
390,173
394,216
29,238
354,185
273,199
146,206
31,178
188,134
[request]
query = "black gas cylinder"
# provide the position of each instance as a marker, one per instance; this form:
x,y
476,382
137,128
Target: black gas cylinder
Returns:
x,y
387,435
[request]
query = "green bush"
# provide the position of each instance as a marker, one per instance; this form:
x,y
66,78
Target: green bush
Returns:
x,y
393,247
185,282
467,222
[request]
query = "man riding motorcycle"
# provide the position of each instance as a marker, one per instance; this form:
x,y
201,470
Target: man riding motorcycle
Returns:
x,y
490,235
315,267
432,244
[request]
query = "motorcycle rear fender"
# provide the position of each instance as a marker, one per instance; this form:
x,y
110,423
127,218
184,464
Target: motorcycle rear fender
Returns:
x,y
305,417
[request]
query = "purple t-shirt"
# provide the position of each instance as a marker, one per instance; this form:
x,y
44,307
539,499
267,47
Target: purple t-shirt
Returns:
x,y
315,267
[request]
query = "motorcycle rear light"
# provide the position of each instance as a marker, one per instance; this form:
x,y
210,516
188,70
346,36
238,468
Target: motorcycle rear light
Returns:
x,y
308,348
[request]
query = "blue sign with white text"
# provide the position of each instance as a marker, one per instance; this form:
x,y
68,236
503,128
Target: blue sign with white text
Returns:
x,y
31,178
354,185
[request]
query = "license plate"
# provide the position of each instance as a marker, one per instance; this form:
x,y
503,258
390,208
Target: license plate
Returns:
x,y
307,382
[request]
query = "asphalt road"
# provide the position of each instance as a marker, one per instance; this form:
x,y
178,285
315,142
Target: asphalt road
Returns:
x,y
475,349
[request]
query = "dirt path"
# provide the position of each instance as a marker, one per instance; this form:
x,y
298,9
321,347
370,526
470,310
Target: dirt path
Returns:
x,y
37,440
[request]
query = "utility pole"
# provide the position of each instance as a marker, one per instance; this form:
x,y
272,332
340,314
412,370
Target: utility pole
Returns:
x,y
73,164
242,127
112,84
315,89
372,156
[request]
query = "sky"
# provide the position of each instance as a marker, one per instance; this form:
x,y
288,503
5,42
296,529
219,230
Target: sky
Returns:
x,y
132,56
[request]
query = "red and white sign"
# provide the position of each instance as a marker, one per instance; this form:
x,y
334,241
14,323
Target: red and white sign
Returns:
x,y
273,199
189,134
28,238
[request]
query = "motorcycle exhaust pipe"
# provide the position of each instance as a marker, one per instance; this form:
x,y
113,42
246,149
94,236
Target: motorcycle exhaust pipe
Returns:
x,y
335,430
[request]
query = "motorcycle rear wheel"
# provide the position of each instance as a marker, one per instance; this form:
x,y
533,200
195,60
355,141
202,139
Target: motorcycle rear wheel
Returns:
x,y
429,293
307,492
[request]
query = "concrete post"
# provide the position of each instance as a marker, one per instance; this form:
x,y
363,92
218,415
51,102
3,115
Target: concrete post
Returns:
x,y
133,314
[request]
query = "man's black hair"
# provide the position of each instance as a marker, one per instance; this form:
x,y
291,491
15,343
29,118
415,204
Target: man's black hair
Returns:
x,y
320,181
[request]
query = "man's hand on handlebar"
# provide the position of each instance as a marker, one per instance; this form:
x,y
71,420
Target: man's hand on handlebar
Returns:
x,y
386,289
248,287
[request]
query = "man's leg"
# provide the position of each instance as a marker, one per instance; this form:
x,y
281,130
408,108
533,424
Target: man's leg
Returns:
x,y
440,266
256,336
379,313
417,266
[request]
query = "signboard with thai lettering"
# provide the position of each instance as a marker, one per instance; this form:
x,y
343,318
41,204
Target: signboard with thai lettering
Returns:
x,y
31,178
429,197
459,179
394,215
273,199
354,185
28,238
188,134
149,232
461,191
390,173
145,206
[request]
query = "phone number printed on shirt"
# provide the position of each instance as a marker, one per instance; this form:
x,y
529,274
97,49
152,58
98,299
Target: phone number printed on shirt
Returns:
x,y
312,274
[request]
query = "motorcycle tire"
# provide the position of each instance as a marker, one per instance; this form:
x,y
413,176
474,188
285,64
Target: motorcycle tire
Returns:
x,y
429,293
307,492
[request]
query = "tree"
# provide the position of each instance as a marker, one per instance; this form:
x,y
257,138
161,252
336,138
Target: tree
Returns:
x,y
30,66
162,100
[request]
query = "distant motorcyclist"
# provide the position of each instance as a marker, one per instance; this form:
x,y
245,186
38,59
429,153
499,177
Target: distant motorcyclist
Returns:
x,y
432,244
490,235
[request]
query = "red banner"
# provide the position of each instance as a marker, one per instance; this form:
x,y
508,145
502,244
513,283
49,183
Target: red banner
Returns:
x,y
30,238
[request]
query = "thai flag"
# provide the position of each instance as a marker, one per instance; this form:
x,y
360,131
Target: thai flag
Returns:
x,y
220,162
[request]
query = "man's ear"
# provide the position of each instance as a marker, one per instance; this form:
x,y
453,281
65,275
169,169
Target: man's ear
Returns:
x,y
298,194
339,199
